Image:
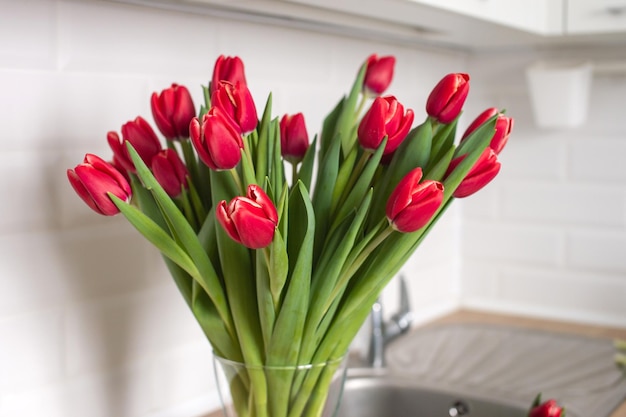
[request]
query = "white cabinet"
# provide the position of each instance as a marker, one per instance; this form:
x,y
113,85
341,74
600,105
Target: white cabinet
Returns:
x,y
595,16
466,24
536,16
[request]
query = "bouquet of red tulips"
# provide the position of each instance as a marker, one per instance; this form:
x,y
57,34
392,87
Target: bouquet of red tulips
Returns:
x,y
280,245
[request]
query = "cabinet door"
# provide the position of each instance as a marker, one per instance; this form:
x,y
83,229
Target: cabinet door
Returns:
x,y
596,16
536,16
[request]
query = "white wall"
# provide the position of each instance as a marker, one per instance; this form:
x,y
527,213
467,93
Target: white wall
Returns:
x,y
90,322
548,237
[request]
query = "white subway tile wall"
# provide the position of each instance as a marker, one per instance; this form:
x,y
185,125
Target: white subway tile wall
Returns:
x,y
91,324
548,237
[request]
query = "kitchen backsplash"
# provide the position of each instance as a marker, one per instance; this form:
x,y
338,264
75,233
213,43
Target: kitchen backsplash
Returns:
x,y
548,237
90,321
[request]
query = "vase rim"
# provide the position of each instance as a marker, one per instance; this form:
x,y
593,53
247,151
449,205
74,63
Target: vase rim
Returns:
x,y
280,367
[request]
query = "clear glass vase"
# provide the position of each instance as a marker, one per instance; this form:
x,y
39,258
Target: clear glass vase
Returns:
x,y
312,390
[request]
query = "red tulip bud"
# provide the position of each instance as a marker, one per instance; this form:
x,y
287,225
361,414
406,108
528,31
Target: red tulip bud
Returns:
x,y
236,101
504,126
249,220
172,111
170,172
484,170
549,408
412,204
139,133
294,139
216,140
94,179
229,69
446,100
386,117
378,74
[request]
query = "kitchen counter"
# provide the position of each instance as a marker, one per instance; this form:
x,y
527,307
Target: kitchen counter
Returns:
x,y
474,317
468,316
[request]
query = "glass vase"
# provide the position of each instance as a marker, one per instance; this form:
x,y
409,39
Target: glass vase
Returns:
x,y
312,390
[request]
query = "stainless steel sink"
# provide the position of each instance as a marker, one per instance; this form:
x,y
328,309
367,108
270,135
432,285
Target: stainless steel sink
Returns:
x,y
368,393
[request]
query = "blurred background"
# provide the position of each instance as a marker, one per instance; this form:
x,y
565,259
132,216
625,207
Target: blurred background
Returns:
x,y
92,325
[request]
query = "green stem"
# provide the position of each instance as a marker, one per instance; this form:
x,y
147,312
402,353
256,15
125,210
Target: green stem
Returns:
x,y
361,105
247,149
353,265
368,250
356,172
190,160
237,180
294,174
190,214
435,125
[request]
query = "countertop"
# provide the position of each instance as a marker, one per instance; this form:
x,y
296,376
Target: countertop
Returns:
x,y
468,316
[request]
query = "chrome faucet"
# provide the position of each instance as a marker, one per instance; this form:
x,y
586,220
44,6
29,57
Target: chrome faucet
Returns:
x,y
383,332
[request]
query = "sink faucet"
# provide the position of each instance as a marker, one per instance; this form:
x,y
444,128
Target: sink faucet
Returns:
x,y
384,332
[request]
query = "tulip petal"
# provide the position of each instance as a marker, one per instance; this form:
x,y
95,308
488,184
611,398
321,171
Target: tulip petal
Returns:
x,y
82,191
402,195
223,217
256,194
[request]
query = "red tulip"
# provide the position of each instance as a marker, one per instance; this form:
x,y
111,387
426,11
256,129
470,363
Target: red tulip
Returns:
x,y
94,179
249,220
170,172
484,170
412,204
378,74
236,101
386,117
549,408
172,111
504,125
294,139
116,164
446,100
229,69
139,133
216,140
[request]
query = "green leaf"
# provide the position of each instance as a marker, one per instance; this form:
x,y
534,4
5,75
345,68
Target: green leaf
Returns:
x,y
278,268
267,312
263,143
206,92
346,169
186,236
348,117
208,240
362,186
327,279
442,142
213,326
282,209
329,128
156,235
288,330
438,171
305,173
322,197
277,174
247,168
